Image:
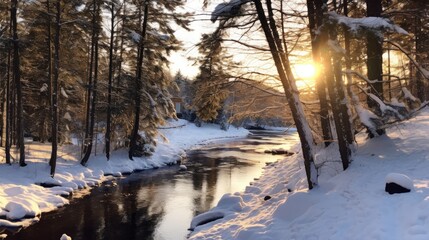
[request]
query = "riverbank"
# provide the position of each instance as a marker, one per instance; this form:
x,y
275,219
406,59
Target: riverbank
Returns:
x,y
23,200
346,205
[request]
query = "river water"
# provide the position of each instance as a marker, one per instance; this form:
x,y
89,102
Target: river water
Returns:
x,y
160,204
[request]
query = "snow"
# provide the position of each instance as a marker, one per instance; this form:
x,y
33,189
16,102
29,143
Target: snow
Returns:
x,y
372,23
227,9
63,93
65,237
400,179
408,95
44,87
23,199
136,37
348,204
183,167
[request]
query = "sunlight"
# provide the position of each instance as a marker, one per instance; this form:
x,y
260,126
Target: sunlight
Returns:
x,y
305,71
304,74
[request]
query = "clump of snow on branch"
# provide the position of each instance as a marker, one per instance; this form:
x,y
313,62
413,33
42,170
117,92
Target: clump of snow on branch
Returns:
x,y
231,8
136,37
63,93
367,118
408,95
163,37
44,88
385,109
366,23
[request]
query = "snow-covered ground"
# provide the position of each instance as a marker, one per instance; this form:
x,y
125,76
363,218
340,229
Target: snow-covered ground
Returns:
x,y
22,200
346,205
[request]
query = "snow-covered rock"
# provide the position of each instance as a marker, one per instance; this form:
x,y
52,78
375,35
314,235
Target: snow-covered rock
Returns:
x,y
398,183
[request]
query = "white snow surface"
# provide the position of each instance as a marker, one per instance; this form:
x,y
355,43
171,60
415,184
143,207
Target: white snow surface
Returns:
x,y
349,204
22,200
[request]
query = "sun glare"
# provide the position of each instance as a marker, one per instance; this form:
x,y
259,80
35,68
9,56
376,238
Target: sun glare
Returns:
x,y
304,74
305,71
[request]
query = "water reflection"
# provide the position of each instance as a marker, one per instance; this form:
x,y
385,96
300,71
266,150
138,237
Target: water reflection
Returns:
x,y
159,204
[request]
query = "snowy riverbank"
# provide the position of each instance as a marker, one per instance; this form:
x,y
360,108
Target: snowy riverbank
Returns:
x,y
22,200
345,205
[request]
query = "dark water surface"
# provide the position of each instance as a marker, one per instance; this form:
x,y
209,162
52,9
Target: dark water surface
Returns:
x,y
160,204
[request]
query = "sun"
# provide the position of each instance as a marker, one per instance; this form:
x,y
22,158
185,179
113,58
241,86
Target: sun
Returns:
x,y
304,71
305,74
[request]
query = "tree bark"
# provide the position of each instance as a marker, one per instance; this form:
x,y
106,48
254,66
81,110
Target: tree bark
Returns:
x,y
138,84
315,16
109,90
53,160
17,81
8,99
96,31
374,62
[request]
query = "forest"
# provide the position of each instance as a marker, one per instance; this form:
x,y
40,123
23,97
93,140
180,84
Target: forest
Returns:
x,y
73,69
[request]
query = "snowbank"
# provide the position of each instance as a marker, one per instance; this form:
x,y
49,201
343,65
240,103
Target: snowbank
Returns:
x,y
345,205
23,199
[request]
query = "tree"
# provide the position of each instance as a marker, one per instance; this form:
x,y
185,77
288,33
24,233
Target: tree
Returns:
x,y
374,64
113,12
17,82
315,19
138,83
92,88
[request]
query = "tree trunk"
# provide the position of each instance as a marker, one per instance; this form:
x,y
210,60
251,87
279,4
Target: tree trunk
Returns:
x,y
17,81
315,16
374,58
56,69
291,92
138,85
96,31
8,99
109,91
89,90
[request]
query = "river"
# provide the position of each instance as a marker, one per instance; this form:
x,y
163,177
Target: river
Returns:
x,y
160,203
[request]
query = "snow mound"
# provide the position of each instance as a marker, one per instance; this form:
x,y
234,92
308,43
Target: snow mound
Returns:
x,y
206,218
65,237
400,179
22,208
231,203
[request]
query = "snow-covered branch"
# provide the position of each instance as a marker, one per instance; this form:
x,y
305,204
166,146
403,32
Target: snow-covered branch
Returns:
x,y
367,23
228,9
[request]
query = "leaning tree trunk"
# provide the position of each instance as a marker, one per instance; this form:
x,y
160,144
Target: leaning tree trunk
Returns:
x,y
138,85
54,107
17,81
283,68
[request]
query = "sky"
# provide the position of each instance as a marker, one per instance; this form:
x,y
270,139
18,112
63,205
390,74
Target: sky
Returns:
x,y
201,24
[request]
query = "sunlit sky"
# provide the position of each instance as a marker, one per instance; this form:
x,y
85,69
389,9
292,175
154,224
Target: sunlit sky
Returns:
x,y
202,24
